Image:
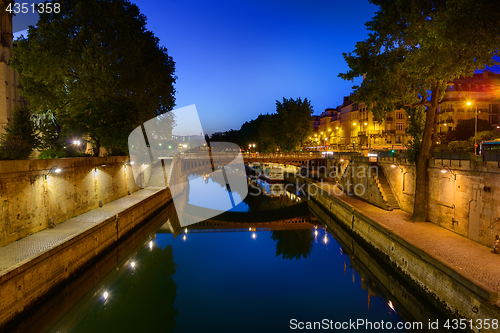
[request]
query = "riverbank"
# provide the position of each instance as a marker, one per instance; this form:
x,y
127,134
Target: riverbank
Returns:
x,y
33,266
459,272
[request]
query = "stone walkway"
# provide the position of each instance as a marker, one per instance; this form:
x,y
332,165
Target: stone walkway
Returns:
x,y
471,259
15,254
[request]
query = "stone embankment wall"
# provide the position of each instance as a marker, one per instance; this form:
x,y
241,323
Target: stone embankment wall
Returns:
x,y
470,300
464,196
26,284
29,201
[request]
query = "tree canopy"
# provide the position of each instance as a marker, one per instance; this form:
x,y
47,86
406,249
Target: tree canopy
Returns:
x,y
96,68
284,130
413,49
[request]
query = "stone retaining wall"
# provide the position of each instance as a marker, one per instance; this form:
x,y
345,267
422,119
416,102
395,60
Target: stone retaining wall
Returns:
x,y
469,299
24,285
29,202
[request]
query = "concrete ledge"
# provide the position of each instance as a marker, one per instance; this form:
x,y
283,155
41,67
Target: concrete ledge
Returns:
x,y
26,282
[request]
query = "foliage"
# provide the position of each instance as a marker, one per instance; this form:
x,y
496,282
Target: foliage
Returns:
x,y
284,130
486,136
415,128
20,137
293,122
97,69
413,49
293,244
465,129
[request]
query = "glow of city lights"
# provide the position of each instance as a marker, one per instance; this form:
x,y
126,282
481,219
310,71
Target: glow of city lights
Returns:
x,y
132,264
185,230
391,306
325,239
105,295
184,237
150,245
254,235
315,232
366,124
444,171
354,124
184,146
249,229
469,103
131,163
393,165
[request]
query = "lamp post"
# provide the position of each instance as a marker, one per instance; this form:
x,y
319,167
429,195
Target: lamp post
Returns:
x,y
475,129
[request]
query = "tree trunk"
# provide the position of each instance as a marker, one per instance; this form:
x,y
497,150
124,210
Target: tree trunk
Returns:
x,y
422,176
97,148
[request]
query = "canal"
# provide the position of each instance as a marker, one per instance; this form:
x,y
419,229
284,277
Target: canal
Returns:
x,y
231,275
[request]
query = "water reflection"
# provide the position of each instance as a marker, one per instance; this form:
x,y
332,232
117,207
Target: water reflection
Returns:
x,y
293,244
140,290
240,265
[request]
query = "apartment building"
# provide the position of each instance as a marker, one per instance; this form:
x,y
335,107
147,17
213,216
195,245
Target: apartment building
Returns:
x,y
464,96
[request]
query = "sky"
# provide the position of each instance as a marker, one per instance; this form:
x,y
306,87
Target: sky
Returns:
x,y
234,59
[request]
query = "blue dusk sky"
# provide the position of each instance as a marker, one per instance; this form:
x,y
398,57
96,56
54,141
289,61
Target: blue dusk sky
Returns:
x,y
234,59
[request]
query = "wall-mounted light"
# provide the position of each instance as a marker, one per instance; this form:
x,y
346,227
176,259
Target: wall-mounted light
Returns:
x,y
395,165
447,169
52,170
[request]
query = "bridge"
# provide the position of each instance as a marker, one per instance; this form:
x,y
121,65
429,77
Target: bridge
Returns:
x,y
297,159
296,217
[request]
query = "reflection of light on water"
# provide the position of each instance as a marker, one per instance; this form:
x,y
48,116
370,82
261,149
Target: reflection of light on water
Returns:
x,y
184,237
105,295
132,264
391,306
151,245
254,235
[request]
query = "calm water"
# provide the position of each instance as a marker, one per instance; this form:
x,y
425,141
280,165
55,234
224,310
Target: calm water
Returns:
x,y
253,281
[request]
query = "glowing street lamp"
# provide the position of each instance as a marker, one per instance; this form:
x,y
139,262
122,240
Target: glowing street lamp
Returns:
x,y
475,128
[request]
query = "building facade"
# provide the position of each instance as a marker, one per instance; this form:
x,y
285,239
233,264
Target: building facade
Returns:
x,y
351,126
465,95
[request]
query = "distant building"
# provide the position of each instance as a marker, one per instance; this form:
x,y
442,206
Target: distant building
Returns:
x,y
481,90
9,92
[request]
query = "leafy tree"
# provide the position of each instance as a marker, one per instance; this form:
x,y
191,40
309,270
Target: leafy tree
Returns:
x,y
20,137
465,129
293,244
294,123
413,49
97,69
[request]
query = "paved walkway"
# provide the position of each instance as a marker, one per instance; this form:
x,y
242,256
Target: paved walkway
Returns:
x,y
15,254
471,259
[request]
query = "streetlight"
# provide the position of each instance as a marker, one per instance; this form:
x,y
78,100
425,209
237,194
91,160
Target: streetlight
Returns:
x,y
475,128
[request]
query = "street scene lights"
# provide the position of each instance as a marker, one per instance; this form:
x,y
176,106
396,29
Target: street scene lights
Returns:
x,y
475,128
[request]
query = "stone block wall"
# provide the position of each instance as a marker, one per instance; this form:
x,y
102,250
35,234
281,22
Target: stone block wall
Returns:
x,y
29,202
464,196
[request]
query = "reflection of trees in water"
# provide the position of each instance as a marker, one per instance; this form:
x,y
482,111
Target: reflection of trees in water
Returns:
x,y
139,300
293,244
258,201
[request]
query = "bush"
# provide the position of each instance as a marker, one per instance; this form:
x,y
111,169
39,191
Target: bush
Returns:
x,y
20,138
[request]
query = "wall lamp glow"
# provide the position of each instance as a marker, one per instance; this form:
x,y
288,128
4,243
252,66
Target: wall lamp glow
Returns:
x,y
394,165
51,171
447,169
